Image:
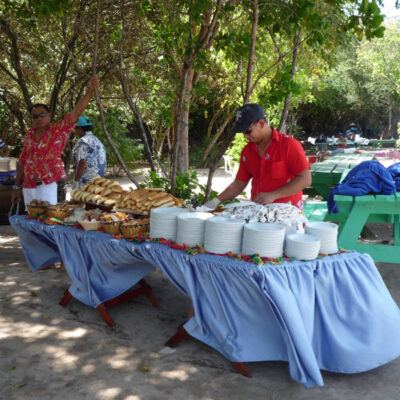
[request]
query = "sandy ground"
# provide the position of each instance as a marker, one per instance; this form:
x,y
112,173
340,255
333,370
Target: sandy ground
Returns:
x,y
51,352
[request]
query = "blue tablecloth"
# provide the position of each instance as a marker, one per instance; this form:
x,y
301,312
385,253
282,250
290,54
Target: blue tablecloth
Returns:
x,y
334,313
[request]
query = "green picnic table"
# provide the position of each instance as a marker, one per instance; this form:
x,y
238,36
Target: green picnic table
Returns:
x,y
326,174
354,213
376,143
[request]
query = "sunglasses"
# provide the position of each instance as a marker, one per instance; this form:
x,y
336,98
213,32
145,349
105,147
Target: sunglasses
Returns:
x,y
41,115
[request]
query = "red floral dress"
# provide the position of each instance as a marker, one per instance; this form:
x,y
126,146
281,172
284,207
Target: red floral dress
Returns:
x,y
42,158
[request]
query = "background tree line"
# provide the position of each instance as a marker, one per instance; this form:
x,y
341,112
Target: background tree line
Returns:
x,y
173,73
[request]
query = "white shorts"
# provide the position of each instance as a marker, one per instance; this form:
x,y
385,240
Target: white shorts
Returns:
x,y
42,192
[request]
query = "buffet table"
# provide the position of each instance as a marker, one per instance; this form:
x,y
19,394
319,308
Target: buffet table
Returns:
x,y
333,313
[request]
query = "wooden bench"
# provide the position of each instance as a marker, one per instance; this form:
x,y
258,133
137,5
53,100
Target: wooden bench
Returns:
x,y
354,213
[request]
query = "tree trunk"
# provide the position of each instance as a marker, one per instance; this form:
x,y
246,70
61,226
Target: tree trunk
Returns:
x,y
250,64
100,106
218,133
180,159
285,111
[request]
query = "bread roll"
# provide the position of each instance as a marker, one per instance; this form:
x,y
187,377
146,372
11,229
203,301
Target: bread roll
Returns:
x,y
109,202
156,195
96,178
73,193
85,195
105,182
168,204
162,200
116,188
105,192
114,196
85,186
78,195
101,200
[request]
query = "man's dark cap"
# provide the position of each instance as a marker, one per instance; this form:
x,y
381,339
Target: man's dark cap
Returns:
x,y
247,115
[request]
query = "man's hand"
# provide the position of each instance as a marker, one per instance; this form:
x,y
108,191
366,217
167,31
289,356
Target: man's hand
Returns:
x,y
212,204
16,195
264,198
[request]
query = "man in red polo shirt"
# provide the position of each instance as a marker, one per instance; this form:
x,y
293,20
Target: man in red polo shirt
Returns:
x,y
276,163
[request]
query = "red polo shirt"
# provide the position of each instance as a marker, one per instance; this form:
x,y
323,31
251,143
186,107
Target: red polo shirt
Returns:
x,y
283,159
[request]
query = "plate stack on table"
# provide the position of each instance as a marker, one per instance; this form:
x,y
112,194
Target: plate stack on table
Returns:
x,y
163,222
265,239
191,228
143,200
302,246
223,235
327,232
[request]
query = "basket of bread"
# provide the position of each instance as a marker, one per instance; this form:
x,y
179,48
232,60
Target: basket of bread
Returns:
x,y
91,220
110,222
58,211
142,200
135,227
37,207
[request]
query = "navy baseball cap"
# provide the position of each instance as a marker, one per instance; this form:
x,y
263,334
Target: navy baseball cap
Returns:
x,y
83,121
247,115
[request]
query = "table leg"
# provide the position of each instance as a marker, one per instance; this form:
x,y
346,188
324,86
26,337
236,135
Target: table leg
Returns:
x,y
66,298
242,369
182,334
144,288
106,316
177,338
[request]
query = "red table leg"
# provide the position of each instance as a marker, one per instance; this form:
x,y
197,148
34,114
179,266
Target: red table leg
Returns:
x,y
242,369
65,300
177,338
106,316
181,334
144,288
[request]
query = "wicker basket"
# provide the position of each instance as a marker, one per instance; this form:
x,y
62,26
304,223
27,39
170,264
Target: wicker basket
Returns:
x,y
90,225
111,228
34,211
129,231
59,213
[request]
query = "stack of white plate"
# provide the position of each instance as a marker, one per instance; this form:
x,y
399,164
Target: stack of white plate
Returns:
x,y
223,235
163,222
263,239
302,246
327,232
191,228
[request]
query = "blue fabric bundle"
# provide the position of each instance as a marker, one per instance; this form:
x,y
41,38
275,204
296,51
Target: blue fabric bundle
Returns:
x,y
367,177
395,172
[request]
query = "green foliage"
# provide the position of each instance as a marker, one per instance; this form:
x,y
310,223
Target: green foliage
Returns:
x,y
236,148
187,186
